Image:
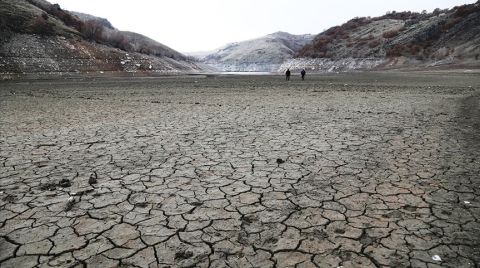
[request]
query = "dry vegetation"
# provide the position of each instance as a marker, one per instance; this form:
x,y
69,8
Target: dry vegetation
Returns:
x,y
390,34
421,36
95,30
422,49
319,48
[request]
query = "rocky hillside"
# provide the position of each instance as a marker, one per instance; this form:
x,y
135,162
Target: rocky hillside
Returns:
x,y
87,17
448,38
263,54
40,37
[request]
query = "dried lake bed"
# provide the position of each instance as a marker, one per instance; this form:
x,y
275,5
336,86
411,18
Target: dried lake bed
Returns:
x,y
342,170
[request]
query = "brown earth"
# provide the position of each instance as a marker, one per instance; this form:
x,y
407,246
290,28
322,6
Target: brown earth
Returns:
x,y
352,170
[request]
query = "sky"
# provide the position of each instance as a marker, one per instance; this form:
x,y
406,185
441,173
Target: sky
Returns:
x,y
204,25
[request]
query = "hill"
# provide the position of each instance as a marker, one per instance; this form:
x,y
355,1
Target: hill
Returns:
x,y
262,54
448,38
38,36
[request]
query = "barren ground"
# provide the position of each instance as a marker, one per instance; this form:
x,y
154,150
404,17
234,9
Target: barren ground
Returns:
x,y
354,170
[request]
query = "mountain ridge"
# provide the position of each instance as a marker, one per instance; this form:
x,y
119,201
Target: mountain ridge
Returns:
x,y
447,38
444,38
38,36
262,54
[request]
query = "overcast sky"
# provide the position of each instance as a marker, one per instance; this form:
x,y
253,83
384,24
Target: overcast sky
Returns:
x,y
200,25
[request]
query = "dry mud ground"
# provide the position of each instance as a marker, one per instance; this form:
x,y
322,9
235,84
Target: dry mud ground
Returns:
x,y
352,170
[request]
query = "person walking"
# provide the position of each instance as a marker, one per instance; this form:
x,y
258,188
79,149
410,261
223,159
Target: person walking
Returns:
x,y
303,73
287,75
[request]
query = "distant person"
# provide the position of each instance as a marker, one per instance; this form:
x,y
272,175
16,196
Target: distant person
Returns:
x,y
287,75
303,73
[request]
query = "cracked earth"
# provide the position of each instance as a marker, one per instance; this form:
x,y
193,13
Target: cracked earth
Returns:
x,y
359,170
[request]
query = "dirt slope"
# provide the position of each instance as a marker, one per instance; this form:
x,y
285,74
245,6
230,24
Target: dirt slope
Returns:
x,y
40,37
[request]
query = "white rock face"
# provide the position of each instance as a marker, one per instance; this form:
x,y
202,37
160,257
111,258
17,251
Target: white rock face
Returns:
x,y
329,65
264,54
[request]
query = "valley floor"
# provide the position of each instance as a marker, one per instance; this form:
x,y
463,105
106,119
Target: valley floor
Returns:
x,y
352,170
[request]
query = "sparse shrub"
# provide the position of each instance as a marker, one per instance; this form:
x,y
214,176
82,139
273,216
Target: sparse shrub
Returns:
x,y
355,23
333,31
451,23
321,45
146,49
465,10
92,30
322,42
65,16
5,31
396,51
414,49
3,24
407,15
40,25
361,42
117,39
124,44
419,50
310,51
375,43
71,21
337,32
369,37
390,34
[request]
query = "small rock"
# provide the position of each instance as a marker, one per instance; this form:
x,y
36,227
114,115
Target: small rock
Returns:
x,y
65,183
436,258
93,178
48,187
280,161
183,255
70,203
196,203
466,202
9,198
141,205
